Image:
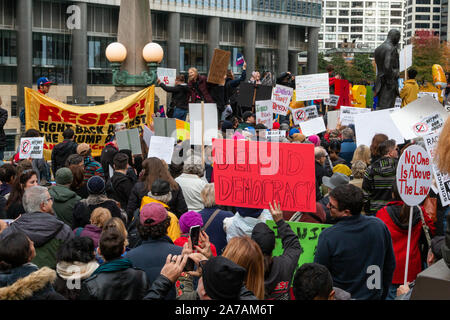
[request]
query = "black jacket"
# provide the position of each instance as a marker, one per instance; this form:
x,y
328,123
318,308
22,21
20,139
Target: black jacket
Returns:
x,y
3,119
284,80
106,158
82,212
119,188
177,205
278,280
129,284
180,95
61,152
217,93
231,88
320,173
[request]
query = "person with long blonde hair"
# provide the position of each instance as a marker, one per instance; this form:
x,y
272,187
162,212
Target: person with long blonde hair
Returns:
x,y
198,86
245,252
362,152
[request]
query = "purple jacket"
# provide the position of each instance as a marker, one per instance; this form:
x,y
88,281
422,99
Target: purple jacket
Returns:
x,y
92,232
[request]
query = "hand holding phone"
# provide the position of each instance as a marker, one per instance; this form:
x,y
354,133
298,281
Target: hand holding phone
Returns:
x,y
194,234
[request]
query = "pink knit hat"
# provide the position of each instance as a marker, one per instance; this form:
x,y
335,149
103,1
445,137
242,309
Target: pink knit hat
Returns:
x,y
314,139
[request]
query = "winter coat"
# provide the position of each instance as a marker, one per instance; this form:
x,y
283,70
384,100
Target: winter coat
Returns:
x,y
47,233
199,90
215,230
320,173
390,215
151,256
217,93
106,158
278,280
83,209
237,225
348,148
28,282
89,231
92,168
61,152
231,88
74,273
409,92
350,248
177,205
180,95
192,185
64,201
14,210
121,186
3,119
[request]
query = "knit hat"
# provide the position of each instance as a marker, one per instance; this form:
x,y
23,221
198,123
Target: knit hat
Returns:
x,y
298,137
314,139
226,125
337,179
342,168
189,219
152,214
276,126
160,187
249,212
96,185
83,149
222,278
292,131
63,176
264,237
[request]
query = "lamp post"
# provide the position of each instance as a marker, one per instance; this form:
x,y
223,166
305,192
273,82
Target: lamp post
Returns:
x,y
116,53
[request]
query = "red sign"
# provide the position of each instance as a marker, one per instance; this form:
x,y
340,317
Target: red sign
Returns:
x,y
251,174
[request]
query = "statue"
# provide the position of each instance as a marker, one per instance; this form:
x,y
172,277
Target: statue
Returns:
x,y
387,60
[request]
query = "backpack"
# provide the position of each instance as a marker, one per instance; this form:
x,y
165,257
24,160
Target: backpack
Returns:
x,y
134,240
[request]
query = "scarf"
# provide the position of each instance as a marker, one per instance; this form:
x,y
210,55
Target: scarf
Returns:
x,y
78,270
114,265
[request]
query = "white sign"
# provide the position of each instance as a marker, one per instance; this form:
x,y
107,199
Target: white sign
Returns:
x,y
264,113
431,94
167,76
162,148
428,125
210,123
312,87
31,148
442,180
406,117
281,98
129,139
405,56
304,114
369,124
347,114
275,134
147,135
333,118
398,103
332,101
414,175
313,126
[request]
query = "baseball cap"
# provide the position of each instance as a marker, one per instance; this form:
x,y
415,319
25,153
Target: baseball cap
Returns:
x,y
247,114
43,81
152,214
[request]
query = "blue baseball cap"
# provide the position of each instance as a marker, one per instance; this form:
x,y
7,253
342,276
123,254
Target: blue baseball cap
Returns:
x,y
292,131
43,81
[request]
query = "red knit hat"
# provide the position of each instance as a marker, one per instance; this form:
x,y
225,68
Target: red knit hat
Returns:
x,y
276,126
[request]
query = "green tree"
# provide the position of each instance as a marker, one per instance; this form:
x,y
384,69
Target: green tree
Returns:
x,y
361,70
340,66
322,63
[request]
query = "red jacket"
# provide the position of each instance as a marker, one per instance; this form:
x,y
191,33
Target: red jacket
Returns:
x,y
400,240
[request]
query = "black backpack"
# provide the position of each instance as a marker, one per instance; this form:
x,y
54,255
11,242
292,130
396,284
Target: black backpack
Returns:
x,y
134,240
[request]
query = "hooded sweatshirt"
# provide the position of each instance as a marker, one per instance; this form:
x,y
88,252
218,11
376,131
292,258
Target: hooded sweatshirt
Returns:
x,y
244,221
64,201
47,233
61,152
409,92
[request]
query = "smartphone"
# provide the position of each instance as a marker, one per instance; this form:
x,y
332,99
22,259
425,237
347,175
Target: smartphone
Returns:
x,y
190,265
194,234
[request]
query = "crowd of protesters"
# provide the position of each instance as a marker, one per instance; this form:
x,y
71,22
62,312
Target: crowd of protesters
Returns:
x,y
100,235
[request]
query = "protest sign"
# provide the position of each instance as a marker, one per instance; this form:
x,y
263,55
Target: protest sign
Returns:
x,y
313,126
347,114
264,113
405,57
129,139
240,59
31,148
209,120
422,94
281,98
411,114
312,87
414,175
332,101
248,93
369,124
251,174
398,103
165,127
92,125
219,66
304,114
275,134
333,118
308,236
442,180
167,76
147,135
162,148
428,125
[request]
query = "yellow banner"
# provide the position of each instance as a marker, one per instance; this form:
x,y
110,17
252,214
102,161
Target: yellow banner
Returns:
x,y
92,125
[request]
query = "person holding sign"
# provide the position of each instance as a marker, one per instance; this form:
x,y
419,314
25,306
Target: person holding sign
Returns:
x,y
180,97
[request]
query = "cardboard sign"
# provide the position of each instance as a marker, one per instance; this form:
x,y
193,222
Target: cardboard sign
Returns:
x,y
414,175
281,98
246,93
251,174
428,125
167,76
442,180
413,113
431,94
129,139
210,123
332,101
304,114
312,87
162,148
347,114
264,113
405,57
369,124
219,66
31,148
308,236
333,118
313,126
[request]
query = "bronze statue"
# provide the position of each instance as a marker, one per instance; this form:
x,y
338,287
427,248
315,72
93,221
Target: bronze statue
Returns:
x,y
387,60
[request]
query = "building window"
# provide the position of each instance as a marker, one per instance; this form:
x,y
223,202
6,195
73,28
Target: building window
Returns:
x,y
102,19
344,4
422,25
343,20
330,28
193,55
422,17
193,29
422,9
343,37
423,2
370,13
396,5
436,18
159,26
330,20
96,52
233,57
383,4
357,4
49,15
266,35
331,4
369,29
330,12
7,19
436,1
370,21
384,13
396,13
356,29
330,45
330,37
437,9
8,47
436,26
343,12
396,21
14,111
343,28
383,21
357,21
266,60
231,32
370,4
8,74
357,13
370,37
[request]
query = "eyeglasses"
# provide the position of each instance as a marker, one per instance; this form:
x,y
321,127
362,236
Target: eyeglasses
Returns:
x,y
331,206
51,198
